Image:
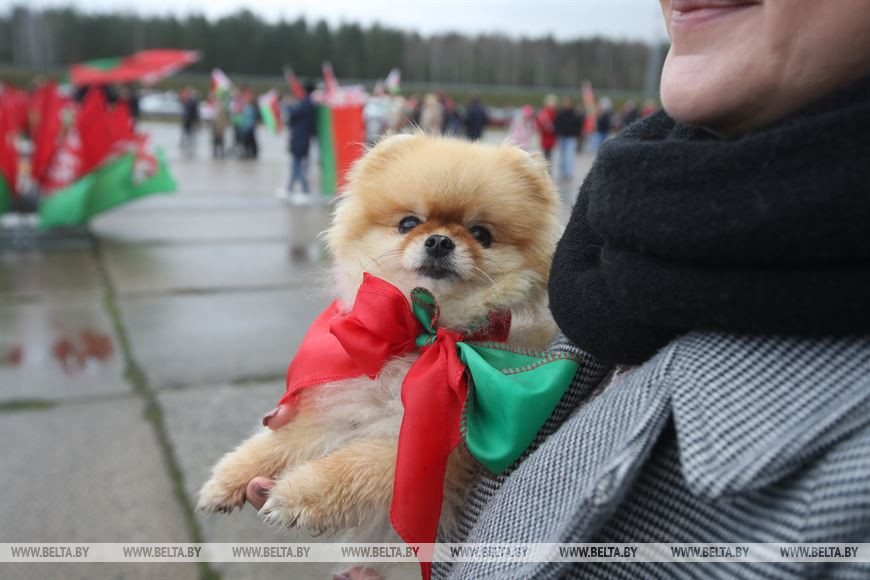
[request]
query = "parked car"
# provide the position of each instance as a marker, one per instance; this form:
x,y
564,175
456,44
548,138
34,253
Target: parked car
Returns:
x,y
160,105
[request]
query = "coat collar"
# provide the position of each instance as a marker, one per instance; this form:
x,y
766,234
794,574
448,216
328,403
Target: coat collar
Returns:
x,y
751,410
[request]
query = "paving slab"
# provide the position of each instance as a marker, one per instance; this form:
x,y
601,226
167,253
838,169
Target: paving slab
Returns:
x,y
201,339
87,473
45,272
58,350
202,425
162,222
175,267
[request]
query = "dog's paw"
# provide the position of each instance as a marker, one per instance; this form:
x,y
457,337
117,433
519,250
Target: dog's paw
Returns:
x,y
218,497
302,500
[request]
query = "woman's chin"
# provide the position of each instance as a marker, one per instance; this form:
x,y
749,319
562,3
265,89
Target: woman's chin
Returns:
x,y
695,93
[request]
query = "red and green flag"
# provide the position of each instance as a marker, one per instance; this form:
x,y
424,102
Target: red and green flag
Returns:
x,y
393,82
99,163
8,160
296,88
51,114
121,178
589,104
145,66
6,195
270,110
329,79
341,136
340,130
220,83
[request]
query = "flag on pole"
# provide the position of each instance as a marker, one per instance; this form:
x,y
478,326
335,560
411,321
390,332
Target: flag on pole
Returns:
x,y
100,163
14,103
392,83
589,104
340,130
220,83
296,87
51,115
270,110
329,79
8,161
341,137
145,66
119,180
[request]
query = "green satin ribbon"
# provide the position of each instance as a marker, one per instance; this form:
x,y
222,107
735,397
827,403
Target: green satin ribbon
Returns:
x,y
512,390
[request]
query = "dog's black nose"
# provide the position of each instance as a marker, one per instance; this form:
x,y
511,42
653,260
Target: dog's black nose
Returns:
x,y
439,246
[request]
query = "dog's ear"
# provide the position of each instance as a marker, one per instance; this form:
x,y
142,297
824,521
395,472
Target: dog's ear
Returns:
x,y
391,140
388,148
534,170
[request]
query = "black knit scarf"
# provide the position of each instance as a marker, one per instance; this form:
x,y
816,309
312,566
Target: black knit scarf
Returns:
x,y
676,229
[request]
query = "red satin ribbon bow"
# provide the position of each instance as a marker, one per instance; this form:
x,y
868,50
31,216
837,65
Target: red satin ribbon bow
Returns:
x,y
380,326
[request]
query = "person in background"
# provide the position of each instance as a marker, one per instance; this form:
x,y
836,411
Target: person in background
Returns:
x,y
476,119
237,108
189,118
376,114
250,116
522,128
452,120
568,125
431,116
628,114
412,107
546,125
302,122
649,107
108,91
128,95
219,121
602,124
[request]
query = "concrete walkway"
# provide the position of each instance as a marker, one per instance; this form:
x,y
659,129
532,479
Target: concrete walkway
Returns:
x,y
135,353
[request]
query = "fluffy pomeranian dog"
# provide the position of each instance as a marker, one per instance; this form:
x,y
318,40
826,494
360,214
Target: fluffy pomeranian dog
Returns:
x,y
476,225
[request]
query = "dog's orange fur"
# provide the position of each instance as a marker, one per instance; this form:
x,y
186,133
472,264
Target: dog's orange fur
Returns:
x,y
334,463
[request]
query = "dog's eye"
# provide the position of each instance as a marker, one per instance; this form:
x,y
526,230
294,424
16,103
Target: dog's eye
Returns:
x,y
482,235
406,224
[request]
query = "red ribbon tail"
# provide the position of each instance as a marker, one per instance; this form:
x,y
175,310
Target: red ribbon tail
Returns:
x,y
433,394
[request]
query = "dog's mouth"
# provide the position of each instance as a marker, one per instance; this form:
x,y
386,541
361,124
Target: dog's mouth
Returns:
x,y
437,271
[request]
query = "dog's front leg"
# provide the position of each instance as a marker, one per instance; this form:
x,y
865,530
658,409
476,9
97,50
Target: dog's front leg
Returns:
x,y
266,453
351,485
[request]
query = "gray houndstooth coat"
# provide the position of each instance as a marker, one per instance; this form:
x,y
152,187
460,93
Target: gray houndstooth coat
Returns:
x,y
718,438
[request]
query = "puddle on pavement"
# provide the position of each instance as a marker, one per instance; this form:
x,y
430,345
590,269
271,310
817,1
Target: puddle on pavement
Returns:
x,y
74,352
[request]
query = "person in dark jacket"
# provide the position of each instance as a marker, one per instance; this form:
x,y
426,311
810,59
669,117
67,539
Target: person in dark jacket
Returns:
x,y
127,94
568,126
302,122
189,118
603,124
476,119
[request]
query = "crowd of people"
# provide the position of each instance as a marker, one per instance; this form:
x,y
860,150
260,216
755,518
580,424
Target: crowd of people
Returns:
x,y
559,129
236,110
434,113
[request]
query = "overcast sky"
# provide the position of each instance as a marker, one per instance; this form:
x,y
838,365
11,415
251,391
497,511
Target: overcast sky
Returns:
x,y
564,19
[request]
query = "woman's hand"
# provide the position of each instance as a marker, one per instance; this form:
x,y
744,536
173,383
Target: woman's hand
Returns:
x,y
258,488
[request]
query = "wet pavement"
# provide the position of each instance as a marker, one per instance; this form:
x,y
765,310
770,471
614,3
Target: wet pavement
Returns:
x,y
136,352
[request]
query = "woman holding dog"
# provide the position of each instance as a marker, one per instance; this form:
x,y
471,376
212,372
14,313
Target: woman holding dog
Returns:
x,y
715,279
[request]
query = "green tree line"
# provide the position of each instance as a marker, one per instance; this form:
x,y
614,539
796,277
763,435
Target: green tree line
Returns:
x,y
244,43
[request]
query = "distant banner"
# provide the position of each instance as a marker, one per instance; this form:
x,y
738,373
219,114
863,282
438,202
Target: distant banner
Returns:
x,y
349,552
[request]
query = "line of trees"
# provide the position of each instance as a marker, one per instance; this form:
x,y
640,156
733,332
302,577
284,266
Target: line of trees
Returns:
x,y
245,43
